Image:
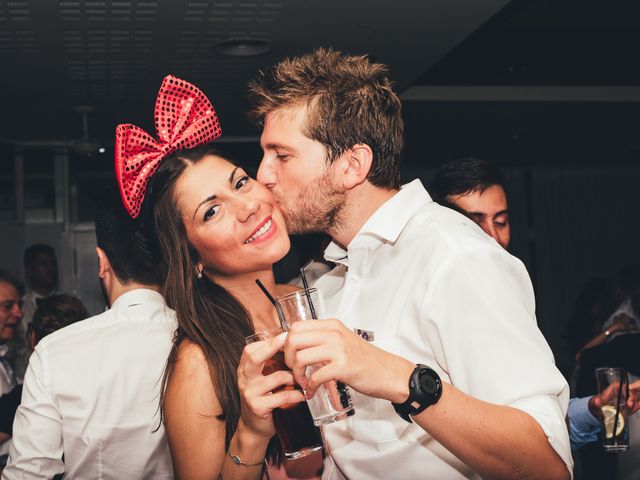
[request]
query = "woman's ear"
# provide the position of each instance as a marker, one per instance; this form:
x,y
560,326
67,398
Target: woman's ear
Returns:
x,y
354,165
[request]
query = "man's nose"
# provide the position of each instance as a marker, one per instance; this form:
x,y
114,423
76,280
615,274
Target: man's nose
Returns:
x,y
266,173
490,230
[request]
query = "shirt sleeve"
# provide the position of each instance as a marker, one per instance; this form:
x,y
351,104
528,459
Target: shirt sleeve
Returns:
x,y
480,320
583,427
36,448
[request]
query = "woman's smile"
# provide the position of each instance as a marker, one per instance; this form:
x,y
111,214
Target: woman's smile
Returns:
x,y
264,231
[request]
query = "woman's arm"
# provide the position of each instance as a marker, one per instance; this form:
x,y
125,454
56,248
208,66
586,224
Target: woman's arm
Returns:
x,y
196,436
622,323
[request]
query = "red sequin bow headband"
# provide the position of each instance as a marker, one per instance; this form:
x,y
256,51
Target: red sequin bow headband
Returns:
x,y
184,118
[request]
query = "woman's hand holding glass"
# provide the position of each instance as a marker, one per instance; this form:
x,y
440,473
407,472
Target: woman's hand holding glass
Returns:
x,y
260,394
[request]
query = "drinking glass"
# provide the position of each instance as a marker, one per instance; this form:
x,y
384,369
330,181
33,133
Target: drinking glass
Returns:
x,y
613,386
295,428
332,400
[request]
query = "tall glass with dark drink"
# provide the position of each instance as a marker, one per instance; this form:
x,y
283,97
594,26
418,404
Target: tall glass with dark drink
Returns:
x,y
295,428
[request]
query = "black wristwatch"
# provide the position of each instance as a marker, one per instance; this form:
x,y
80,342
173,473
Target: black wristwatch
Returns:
x,y
425,389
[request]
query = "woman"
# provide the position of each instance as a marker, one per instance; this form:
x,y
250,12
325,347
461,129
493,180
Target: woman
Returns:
x,y
217,231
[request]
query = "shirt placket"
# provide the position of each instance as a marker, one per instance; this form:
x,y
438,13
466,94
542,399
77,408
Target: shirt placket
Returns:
x,y
353,283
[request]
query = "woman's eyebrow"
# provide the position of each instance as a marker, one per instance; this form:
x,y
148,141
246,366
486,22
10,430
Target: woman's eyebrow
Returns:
x,y
206,200
233,174
214,196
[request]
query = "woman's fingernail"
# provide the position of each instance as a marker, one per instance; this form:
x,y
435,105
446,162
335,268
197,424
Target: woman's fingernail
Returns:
x,y
282,336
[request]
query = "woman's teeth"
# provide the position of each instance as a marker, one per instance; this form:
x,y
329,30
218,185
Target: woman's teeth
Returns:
x,y
265,228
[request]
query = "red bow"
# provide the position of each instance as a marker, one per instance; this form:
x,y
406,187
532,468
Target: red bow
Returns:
x,y
184,118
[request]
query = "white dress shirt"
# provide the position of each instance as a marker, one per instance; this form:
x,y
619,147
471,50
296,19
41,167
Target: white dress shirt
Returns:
x,y
20,349
92,393
428,284
7,377
7,383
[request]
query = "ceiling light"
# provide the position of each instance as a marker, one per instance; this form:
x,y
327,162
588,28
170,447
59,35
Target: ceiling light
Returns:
x,y
242,47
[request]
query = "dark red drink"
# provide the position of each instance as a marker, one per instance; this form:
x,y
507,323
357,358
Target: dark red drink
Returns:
x,y
294,425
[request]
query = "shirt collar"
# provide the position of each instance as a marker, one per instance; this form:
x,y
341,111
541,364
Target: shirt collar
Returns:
x,y
137,296
388,221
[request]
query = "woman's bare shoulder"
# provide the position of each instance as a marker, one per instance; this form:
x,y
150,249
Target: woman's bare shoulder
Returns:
x,y
190,380
190,354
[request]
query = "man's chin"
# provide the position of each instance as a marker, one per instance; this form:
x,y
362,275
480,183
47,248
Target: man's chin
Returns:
x,y
7,335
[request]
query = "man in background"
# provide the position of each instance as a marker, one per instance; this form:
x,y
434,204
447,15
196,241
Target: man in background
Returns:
x,y
475,188
41,274
90,403
10,315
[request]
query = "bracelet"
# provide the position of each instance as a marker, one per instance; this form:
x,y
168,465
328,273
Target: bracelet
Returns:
x,y
238,461
607,332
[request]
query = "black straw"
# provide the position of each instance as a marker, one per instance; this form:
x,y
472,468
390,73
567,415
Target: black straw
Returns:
x,y
283,321
305,284
615,420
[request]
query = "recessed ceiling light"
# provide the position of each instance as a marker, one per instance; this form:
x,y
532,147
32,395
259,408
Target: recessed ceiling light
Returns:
x,y
242,47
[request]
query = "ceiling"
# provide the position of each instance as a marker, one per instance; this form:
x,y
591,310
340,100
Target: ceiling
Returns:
x,y
112,55
486,78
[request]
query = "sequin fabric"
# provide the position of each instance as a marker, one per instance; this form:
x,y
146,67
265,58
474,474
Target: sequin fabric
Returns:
x,y
184,118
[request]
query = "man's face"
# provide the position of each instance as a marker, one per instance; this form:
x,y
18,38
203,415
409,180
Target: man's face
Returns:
x,y
295,168
489,210
10,311
43,272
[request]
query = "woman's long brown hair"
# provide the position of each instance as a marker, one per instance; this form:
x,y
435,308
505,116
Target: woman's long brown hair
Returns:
x,y
207,314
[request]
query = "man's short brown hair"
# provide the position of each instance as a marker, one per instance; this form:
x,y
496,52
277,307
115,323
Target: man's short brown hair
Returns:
x,y
349,100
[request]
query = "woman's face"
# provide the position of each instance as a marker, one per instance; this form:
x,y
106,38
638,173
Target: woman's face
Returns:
x,y
231,220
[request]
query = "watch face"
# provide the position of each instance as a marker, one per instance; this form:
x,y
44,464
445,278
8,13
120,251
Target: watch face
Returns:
x,y
428,384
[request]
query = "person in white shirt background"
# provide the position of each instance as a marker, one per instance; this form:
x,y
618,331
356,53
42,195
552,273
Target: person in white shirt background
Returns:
x,y
91,393
53,313
424,282
10,315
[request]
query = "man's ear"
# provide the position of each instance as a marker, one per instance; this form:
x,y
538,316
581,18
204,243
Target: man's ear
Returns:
x,y
354,165
104,267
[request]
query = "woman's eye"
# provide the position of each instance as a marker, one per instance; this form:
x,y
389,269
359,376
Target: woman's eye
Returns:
x,y
242,181
211,211
282,156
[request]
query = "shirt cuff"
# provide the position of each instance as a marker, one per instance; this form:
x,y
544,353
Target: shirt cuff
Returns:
x,y
580,414
547,411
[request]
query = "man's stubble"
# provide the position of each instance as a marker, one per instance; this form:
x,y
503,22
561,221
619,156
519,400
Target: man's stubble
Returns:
x,y
317,208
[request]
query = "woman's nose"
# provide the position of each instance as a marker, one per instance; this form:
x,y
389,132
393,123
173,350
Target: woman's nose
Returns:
x,y
246,208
